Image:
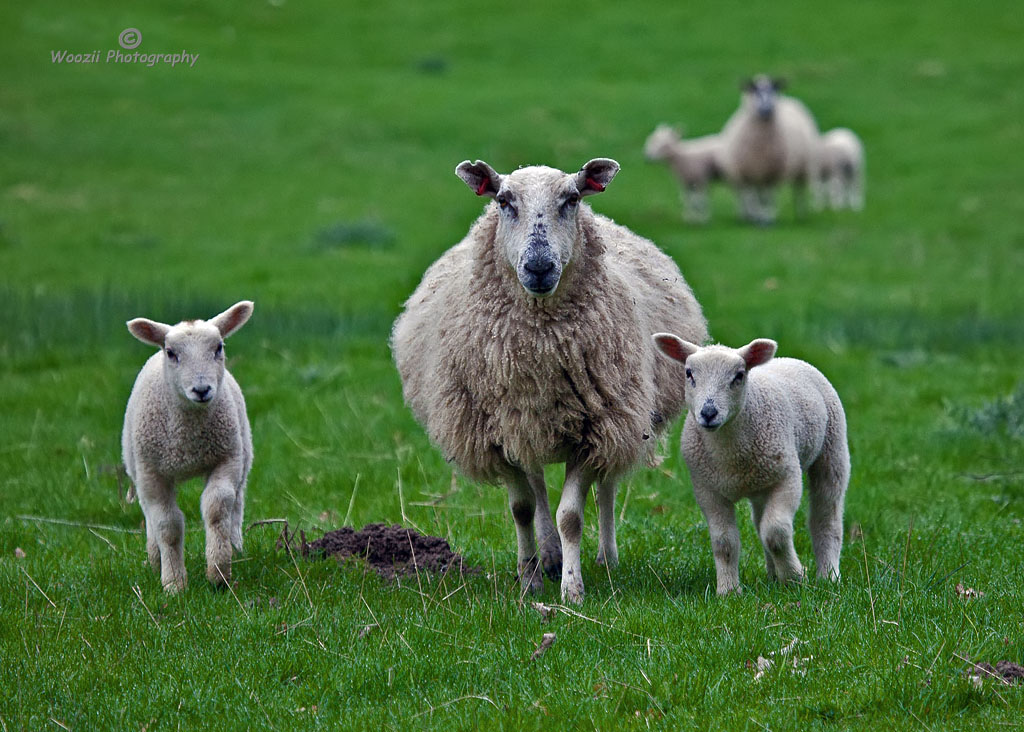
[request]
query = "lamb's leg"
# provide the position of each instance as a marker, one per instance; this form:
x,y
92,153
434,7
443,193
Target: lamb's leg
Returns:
x,y
165,529
523,501
218,508
238,515
570,528
756,512
776,528
547,535
827,480
725,539
607,552
855,192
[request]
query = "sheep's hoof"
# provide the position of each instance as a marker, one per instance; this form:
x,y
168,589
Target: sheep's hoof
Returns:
x,y
611,559
730,590
572,593
176,585
551,558
218,576
530,576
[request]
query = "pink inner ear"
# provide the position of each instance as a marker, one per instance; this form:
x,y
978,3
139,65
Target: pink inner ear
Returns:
x,y
591,183
482,188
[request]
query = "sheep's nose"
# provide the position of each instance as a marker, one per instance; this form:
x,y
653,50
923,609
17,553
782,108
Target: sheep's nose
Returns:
x,y
539,266
708,412
202,392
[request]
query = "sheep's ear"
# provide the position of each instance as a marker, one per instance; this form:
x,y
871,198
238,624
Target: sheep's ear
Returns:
x,y
748,85
758,352
480,177
674,347
233,318
149,331
779,83
595,176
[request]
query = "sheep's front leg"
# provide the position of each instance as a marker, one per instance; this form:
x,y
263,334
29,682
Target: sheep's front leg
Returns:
x,y
756,512
165,529
725,539
523,502
547,536
570,528
776,528
218,508
607,552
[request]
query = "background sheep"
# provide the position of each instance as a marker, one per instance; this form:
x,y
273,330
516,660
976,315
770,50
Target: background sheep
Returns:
x,y
754,425
694,162
770,140
842,168
186,417
528,343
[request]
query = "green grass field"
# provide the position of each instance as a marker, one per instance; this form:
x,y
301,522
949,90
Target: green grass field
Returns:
x,y
305,161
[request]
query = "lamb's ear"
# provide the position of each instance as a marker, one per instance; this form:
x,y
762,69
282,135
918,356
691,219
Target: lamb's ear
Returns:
x,y
595,176
758,352
233,318
480,177
674,347
149,331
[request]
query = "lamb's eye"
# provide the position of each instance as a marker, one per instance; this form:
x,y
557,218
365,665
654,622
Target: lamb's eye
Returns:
x,y
689,375
172,355
738,378
220,350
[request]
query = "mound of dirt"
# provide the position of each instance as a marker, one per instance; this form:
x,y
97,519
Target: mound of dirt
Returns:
x,y
1009,671
392,551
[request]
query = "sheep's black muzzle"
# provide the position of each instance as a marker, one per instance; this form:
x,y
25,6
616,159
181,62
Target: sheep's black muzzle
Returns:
x,y
540,271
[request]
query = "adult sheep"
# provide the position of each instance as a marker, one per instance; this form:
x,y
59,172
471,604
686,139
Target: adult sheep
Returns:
x,y
528,343
771,139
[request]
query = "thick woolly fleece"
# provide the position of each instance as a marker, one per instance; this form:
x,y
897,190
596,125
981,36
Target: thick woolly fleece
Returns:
x,y
761,152
502,379
178,441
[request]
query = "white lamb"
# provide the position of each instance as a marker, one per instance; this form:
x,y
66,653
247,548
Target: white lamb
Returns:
x,y
695,162
754,425
771,140
186,417
842,169
528,343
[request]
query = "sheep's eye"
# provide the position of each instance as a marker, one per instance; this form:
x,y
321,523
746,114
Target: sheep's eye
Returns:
x,y
172,355
220,350
689,375
738,378
502,201
573,199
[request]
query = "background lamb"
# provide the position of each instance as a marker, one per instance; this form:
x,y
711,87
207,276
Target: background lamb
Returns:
x,y
770,140
694,162
186,417
754,425
528,343
842,168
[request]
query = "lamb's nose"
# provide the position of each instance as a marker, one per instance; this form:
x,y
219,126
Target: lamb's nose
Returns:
x,y
708,412
202,392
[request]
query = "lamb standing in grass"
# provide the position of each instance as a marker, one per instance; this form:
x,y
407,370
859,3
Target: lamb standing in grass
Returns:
x,y
770,140
695,163
528,343
754,425
186,417
842,168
